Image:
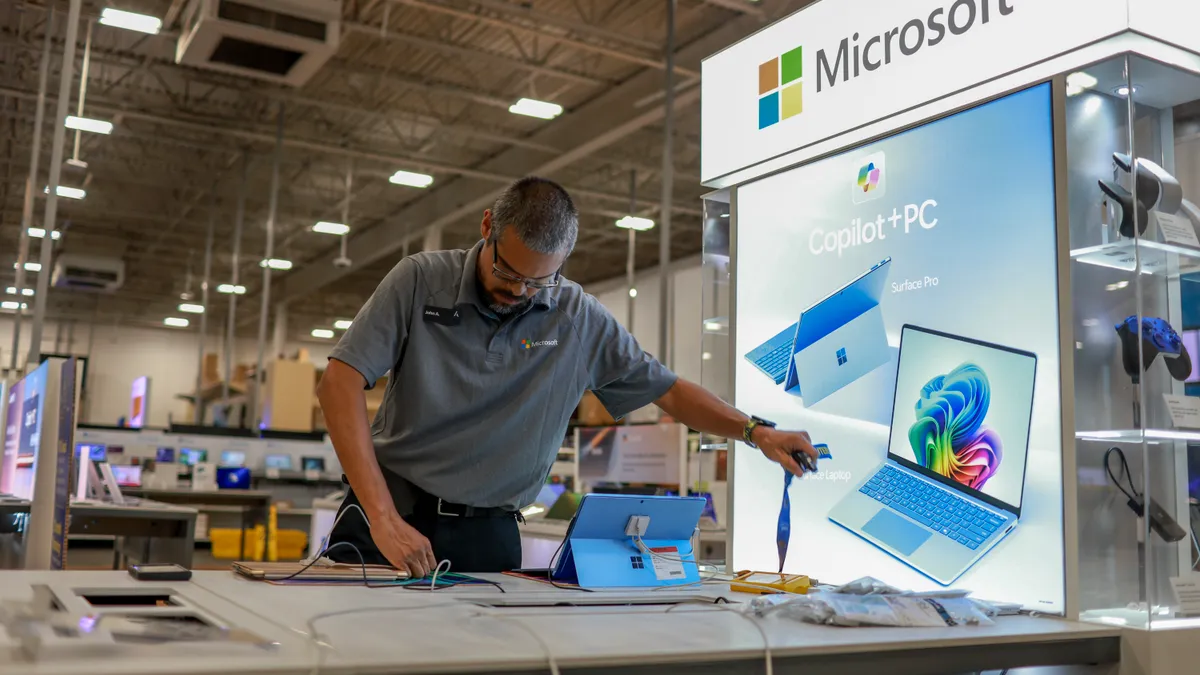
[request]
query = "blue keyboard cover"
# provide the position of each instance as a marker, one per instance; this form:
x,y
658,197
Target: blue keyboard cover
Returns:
x,y
776,361
935,507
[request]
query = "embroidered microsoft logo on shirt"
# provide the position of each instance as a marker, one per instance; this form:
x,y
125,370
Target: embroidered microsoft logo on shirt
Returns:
x,y
530,344
781,88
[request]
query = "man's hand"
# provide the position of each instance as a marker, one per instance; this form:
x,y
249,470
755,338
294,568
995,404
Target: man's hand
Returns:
x,y
778,447
403,546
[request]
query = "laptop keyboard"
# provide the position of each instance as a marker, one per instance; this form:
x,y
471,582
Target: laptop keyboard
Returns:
x,y
775,361
937,509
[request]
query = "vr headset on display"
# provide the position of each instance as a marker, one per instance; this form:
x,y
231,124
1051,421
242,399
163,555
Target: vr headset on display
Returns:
x,y
1157,190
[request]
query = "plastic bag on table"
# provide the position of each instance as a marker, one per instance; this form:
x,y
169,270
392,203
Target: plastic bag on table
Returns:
x,y
839,609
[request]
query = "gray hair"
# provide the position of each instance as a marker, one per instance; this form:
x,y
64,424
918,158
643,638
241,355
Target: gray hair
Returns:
x,y
541,212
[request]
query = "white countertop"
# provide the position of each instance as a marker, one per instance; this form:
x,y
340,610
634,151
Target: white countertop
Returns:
x,y
407,631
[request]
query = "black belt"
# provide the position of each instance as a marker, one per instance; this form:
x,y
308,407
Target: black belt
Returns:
x,y
428,503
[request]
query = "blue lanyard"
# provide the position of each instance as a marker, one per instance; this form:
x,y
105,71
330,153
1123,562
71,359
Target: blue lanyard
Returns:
x,y
783,532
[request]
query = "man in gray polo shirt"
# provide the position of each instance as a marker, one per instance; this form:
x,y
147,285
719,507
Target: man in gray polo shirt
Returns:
x,y
490,351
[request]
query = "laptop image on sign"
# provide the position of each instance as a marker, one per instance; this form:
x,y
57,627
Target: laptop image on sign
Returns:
x,y
952,483
837,340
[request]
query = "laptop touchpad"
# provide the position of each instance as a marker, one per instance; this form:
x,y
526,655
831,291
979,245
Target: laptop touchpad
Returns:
x,y
898,533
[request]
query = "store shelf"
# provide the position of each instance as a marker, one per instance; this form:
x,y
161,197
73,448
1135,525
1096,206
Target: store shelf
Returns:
x,y
1156,258
1154,436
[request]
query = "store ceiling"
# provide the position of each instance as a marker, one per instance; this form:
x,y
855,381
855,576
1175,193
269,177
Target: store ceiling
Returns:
x,y
419,85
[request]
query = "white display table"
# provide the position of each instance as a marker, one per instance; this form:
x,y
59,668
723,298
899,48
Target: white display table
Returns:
x,y
418,632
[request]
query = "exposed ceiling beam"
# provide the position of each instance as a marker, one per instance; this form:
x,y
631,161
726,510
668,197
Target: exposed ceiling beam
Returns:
x,y
602,121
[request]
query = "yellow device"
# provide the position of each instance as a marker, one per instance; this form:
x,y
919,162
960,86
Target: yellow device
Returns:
x,y
764,583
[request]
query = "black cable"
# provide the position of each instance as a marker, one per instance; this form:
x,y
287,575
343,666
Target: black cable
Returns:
x,y
1125,469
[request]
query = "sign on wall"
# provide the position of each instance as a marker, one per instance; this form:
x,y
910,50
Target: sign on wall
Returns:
x,y
842,64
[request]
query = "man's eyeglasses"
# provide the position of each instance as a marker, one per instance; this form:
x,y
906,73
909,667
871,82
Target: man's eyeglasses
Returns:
x,y
536,284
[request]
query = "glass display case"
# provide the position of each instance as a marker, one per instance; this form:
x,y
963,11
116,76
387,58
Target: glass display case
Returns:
x,y
1133,180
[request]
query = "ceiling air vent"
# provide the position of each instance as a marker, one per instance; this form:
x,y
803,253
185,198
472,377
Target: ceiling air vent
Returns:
x,y
284,41
88,273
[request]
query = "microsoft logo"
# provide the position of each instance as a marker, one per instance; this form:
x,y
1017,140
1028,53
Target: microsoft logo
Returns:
x,y
780,88
530,344
841,356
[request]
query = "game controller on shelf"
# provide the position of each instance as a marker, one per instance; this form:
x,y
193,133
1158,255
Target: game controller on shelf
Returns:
x,y
1156,337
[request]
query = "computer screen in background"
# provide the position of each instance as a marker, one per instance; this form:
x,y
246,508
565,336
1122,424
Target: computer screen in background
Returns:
x,y
165,455
281,462
96,453
23,433
139,402
312,463
233,458
193,456
233,478
127,476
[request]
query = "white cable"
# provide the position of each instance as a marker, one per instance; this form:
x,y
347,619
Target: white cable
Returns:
x,y
316,641
438,570
757,626
325,546
551,662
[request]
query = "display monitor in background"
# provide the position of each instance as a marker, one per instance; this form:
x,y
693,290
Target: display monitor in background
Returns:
x,y
312,463
233,478
127,476
549,494
23,433
96,453
233,458
1191,341
139,402
193,456
165,455
281,462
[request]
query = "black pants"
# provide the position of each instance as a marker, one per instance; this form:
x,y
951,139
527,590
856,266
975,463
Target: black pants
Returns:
x,y
472,545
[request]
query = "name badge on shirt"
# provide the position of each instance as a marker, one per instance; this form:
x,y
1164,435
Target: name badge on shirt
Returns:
x,y
443,315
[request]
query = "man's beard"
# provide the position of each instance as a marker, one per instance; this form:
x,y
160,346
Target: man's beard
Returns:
x,y
502,309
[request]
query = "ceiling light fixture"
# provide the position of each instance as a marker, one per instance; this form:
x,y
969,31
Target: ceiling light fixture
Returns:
x,y
325,227
191,308
12,290
534,108
89,124
633,292
1077,83
230,288
1123,90
323,333
411,179
176,322
276,264
342,324
68,192
39,233
131,21
635,223
12,304
30,267
1117,286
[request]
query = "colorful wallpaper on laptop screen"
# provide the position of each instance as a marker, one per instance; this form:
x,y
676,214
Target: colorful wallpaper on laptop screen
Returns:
x,y
949,436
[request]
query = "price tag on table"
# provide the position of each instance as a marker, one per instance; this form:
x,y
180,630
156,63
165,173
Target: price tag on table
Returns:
x,y
1187,595
312,474
1185,411
272,473
1177,230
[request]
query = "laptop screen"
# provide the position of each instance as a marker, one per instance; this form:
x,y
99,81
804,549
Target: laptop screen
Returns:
x,y
127,476
962,412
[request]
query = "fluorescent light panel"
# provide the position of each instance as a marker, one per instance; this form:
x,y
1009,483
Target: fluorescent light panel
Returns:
x,y
276,264
68,192
12,290
325,227
534,108
89,124
635,223
230,288
323,333
30,267
12,304
191,308
131,21
39,233
411,179
342,324
176,322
